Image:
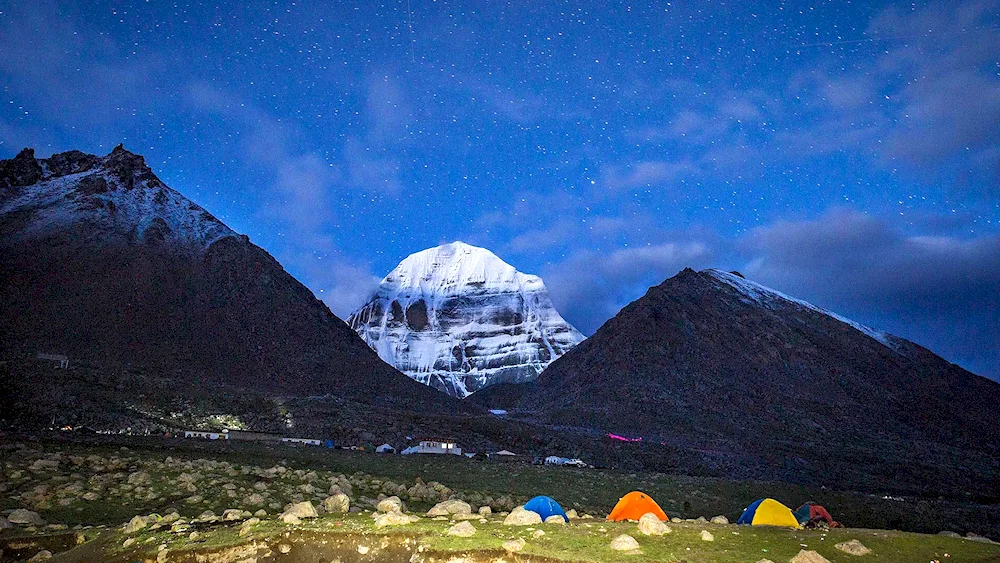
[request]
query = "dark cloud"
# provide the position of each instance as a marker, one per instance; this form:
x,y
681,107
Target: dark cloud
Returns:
x,y
939,291
590,287
936,288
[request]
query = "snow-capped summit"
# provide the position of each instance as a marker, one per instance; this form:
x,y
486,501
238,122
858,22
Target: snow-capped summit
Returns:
x,y
117,197
768,297
459,318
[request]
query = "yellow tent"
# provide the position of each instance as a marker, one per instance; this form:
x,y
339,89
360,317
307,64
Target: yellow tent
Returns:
x,y
768,512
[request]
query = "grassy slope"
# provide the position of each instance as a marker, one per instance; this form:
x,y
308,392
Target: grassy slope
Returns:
x,y
581,541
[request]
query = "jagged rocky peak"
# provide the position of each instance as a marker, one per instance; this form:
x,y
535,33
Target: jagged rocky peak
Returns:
x,y
459,318
118,193
22,170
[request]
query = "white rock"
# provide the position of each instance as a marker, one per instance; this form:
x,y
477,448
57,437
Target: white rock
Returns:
x,y
650,525
391,504
449,507
338,503
720,520
624,542
804,556
515,545
853,547
462,530
555,519
394,519
707,536
521,517
302,510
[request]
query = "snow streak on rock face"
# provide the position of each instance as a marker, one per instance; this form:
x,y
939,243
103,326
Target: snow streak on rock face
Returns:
x,y
768,297
115,198
459,318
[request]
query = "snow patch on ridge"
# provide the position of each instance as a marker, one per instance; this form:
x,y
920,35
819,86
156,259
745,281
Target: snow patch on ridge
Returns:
x,y
766,296
56,203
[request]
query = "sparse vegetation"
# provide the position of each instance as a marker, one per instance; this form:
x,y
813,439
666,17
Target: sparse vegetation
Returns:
x,y
183,486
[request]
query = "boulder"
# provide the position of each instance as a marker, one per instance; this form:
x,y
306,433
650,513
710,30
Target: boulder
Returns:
x,y
290,519
809,557
515,545
134,525
450,507
42,555
394,519
25,517
555,519
651,525
462,529
571,514
233,514
719,520
248,525
391,504
485,511
707,536
853,547
521,517
303,509
624,542
338,503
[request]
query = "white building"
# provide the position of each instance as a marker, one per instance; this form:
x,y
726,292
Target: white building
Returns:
x,y
434,447
304,441
206,435
62,360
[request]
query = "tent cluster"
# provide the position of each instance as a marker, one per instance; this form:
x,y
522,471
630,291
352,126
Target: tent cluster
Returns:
x,y
763,512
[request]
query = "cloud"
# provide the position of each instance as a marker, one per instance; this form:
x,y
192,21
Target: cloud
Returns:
x,y
304,190
591,286
648,173
929,285
940,291
68,71
929,98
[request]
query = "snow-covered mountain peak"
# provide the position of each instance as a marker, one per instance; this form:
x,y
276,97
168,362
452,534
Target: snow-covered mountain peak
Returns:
x,y
768,297
459,318
457,267
118,195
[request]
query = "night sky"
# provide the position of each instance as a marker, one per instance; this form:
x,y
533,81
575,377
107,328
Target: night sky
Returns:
x,y
847,153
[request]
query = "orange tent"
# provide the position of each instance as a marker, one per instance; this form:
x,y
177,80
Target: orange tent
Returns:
x,y
633,505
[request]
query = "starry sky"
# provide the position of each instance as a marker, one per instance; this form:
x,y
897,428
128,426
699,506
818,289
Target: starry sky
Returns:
x,y
847,153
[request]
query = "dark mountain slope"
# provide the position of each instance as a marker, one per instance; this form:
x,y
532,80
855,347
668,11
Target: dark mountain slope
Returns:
x,y
714,363
99,260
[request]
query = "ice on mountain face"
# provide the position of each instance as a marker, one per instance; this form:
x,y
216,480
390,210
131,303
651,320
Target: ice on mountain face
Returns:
x,y
116,193
459,318
767,297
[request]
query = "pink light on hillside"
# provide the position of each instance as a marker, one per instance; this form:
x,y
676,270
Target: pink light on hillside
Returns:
x,y
623,438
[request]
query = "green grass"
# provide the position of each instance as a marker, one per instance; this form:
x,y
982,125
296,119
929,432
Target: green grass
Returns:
x,y
581,541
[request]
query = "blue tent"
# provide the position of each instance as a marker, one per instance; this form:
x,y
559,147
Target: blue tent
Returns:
x,y
545,507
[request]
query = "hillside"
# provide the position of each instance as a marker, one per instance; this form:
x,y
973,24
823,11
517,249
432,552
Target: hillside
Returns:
x,y
757,383
102,262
